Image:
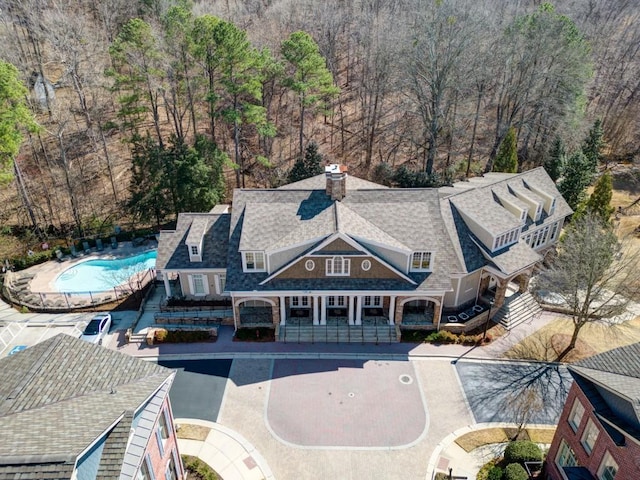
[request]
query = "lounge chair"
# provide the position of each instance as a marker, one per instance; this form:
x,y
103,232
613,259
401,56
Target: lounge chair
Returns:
x,y
60,256
74,252
99,245
85,246
114,243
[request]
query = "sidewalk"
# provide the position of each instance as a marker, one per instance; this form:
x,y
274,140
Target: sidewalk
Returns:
x,y
225,347
224,450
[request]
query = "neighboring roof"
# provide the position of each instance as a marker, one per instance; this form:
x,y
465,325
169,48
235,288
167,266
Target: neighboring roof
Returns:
x,y
617,370
615,373
173,252
61,395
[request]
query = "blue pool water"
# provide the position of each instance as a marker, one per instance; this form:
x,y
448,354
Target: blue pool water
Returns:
x,y
103,274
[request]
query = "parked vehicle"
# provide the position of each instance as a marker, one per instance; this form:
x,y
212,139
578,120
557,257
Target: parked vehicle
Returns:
x,y
97,329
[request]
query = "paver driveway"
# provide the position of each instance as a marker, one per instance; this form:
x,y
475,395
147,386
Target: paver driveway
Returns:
x,y
490,388
198,388
346,403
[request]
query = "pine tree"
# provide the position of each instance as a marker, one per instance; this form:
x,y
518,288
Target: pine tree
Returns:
x,y
556,159
599,203
507,158
577,176
594,144
308,166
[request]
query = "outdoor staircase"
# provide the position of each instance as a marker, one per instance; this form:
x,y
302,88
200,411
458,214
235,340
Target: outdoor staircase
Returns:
x,y
338,334
517,309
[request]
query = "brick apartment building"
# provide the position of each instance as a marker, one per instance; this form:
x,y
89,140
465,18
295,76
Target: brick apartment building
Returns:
x,y
73,410
598,435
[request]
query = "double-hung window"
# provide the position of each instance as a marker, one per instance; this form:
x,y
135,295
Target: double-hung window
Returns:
x,y
199,286
608,468
146,472
566,457
338,266
194,250
589,436
575,416
372,301
253,261
421,262
300,302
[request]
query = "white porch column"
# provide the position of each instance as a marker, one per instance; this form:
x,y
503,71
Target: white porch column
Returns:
x,y
392,309
351,306
359,310
167,286
316,300
283,311
323,310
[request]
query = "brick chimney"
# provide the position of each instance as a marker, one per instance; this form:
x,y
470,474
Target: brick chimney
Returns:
x,y
336,181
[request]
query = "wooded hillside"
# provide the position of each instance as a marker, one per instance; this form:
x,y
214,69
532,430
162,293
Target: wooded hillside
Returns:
x,y
143,103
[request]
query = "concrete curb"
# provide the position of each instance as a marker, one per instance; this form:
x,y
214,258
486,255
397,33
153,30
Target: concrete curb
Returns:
x,y
226,451
449,439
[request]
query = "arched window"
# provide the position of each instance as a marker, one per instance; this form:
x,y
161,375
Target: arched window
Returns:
x,y
338,266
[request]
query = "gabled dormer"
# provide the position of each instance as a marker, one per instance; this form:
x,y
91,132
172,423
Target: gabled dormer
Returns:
x,y
534,202
514,205
549,200
253,262
195,238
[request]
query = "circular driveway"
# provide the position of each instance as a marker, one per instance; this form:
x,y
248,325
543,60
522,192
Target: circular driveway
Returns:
x,y
346,403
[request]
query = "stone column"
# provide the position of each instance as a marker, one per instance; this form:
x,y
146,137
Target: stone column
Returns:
x,y
167,286
437,314
501,290
283,311
351,305
359,310
323,310
392,309
523,282
316,301
275,314
399,308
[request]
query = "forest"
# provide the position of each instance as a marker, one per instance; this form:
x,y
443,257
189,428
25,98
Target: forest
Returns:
x,y
134,110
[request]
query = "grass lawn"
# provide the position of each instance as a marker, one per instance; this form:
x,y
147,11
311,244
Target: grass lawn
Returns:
x,y
192,432
472,440
596,337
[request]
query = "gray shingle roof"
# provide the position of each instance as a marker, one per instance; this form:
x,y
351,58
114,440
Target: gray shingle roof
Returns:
x,y
318,182
407,219
618,371
173,252
514,258
60,395
482,204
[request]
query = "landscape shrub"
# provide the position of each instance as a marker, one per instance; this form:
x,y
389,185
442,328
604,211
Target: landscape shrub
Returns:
x,y
183,336
515,471
259,334
496,473
20,263
522,451
197,469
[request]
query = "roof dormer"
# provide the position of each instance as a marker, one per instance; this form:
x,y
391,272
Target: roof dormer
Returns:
x,y
548,199
195,238
532,200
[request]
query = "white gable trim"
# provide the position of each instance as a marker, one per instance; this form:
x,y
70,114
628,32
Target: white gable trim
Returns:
x,y
295,245
351,242
338,235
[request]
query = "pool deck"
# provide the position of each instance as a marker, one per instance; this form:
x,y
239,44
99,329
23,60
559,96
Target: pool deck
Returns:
x,y
46,273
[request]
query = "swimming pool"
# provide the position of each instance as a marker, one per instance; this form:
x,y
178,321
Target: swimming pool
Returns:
x,y
103,274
